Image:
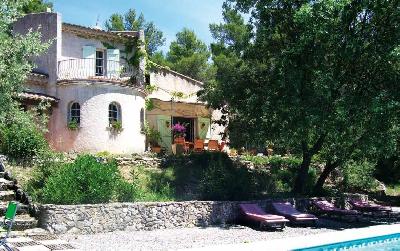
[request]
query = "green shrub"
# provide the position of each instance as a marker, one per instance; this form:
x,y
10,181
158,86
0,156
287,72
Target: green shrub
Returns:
x,y
221,180
388,170
46,164
273,161
358,176
22,140
147,185
126,192
84,181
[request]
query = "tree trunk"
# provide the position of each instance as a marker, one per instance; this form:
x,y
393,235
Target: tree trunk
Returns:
x,y
318,188
302,175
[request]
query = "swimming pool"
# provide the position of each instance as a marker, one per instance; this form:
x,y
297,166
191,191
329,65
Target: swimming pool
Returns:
x,y
380,243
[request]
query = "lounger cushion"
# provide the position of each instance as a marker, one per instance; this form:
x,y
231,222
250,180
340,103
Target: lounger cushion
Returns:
x,y
361,205
286,209
325,206
253,211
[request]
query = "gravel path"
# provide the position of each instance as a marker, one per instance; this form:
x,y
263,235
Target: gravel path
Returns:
x,y
172,239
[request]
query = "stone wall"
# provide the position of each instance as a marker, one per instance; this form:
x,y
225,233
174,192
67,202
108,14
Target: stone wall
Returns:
x,y
87,219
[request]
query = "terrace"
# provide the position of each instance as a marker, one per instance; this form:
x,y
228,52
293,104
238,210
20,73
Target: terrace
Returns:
x,y
91,68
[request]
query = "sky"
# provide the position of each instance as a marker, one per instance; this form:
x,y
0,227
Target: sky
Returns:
x,y
170,16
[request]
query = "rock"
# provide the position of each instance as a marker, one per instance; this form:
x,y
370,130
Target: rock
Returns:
x,y
74,230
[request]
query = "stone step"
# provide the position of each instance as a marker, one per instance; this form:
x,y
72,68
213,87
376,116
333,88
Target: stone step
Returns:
x,y
6,184
27,232
7,195
22,208
24,221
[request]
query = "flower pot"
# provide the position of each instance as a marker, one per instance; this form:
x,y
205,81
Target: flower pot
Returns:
x,y
179,140
156,149
177,149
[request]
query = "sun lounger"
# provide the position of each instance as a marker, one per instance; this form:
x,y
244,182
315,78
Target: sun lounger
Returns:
x,y
252,212
287,210
367,207
324,207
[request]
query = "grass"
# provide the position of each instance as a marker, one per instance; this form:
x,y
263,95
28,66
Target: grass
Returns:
x,y
393,189
153,185
21,173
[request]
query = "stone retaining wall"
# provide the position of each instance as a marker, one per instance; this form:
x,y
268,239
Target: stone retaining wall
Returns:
x,y
87,219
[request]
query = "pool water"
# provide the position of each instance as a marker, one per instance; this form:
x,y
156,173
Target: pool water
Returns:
x,y
379,243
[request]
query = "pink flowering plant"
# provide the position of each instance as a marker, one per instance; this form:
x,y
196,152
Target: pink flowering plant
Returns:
x,y
178,130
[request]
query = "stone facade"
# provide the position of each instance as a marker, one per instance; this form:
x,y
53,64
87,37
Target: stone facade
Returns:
x,y
88,219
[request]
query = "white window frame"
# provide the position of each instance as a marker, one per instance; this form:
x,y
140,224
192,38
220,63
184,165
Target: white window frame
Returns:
x,y
114,115
72,116
103,66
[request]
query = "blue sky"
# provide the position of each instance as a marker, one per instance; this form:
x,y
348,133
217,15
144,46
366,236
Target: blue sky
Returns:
x,y
169,15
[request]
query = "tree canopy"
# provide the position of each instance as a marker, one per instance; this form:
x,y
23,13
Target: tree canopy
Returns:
x,y
15,54
131,22
312,76
189,55
34,6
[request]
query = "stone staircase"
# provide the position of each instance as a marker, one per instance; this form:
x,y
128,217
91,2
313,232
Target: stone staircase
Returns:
x,y
10,191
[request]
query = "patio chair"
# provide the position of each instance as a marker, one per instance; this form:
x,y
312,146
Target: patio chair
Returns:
x,y
367,207
213,145
8,222
253,213
221,147
327,208
181,141
287,210
198,145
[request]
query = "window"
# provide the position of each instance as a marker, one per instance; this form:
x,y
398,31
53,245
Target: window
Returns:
x,y
114,112
99,63
75,112
147,79
142,119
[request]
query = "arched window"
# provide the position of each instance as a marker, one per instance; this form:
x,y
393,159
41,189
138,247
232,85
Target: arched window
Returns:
x,y
75,113
142,119
114,112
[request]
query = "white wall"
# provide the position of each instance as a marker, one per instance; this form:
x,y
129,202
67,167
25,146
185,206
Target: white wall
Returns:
x,y
170,81
94,134
72,45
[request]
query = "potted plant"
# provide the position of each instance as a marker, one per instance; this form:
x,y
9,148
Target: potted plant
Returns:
x,y
73,125
179,132
153,136
116,126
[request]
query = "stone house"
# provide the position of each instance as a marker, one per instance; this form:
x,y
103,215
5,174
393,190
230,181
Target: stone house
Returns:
x,y
97,90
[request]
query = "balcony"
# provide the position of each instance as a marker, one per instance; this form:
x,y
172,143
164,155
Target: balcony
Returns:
x,y
88,68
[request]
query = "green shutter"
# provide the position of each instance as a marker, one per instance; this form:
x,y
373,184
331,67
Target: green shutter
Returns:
x,y
164,127
113,63
89,51
88,66
203,126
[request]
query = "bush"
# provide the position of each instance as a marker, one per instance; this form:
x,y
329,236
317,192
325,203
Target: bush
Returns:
x,y
358,176
22,140
84,181
223,181
46,164
126,192
388,170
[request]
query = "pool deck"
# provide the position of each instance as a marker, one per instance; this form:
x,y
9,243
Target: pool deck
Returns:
x,y
309,241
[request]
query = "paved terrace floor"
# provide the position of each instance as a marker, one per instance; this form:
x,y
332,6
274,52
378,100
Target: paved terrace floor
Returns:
x,y
210,237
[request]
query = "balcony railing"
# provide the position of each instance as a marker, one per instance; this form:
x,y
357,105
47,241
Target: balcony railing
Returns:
x,y
86,68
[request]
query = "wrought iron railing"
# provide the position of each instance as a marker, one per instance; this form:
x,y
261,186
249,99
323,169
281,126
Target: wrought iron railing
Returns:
x,y
86,68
